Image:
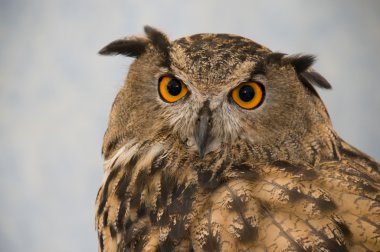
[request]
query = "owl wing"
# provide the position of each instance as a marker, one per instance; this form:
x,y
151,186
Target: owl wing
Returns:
x,y
333,206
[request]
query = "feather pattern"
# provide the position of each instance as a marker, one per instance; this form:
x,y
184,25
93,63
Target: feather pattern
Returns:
x,y
172,203
273,178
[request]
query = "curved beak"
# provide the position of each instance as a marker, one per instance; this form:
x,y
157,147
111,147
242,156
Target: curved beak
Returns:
x,y
203,128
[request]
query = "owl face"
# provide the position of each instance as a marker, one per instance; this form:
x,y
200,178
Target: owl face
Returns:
x,y
209,91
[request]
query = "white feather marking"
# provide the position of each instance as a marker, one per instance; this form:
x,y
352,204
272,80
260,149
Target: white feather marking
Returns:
x,y
145,161
122,156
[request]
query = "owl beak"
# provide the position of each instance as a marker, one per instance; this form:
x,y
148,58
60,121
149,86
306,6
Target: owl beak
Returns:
x,y
203,128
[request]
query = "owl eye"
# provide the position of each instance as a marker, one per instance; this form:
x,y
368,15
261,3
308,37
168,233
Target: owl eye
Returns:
x,y
248,95
171,89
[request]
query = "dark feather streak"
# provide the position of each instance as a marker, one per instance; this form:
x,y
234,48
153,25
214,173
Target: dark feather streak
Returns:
x,y
204,176
343,228
105,218
182,204
121,187
188,197
177,231
135,200
330,244
325,205
212,241
285,165
141,211
357,155
245,171
290,238
363,179
167,184
128,224
153,216
177,191
135,234
140,243
248,232
103,197
294,195
120,215
101,242
295,169
164,218
167,245
141,180
112,231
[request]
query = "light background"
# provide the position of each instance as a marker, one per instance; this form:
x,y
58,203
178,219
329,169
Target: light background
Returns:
x,y
56,92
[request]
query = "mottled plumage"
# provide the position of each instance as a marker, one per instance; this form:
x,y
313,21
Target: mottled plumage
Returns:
x,y
203,174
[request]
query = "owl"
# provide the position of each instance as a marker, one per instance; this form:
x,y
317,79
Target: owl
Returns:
x,y
216,143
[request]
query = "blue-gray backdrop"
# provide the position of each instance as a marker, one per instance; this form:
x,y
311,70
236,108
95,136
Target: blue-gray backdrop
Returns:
x,y
56,92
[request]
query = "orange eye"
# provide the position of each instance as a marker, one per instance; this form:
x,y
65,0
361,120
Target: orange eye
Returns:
x,y
248,95
171,89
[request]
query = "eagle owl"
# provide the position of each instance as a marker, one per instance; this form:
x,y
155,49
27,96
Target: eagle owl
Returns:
x,y
216,143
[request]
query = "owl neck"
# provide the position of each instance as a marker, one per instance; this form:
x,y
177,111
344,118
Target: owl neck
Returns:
x,y
150,160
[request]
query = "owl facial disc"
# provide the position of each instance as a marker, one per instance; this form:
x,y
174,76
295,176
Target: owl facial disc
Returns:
x,y
203,127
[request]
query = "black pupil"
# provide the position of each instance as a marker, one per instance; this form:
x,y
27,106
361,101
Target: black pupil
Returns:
x,y
174,87
246,93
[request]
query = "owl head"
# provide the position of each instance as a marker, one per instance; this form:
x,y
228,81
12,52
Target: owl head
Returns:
x,y
208,92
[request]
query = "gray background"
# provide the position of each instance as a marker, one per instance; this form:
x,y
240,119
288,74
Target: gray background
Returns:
x,y
56,92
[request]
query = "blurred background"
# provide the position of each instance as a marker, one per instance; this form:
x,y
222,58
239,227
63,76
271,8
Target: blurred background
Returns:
x,y
56,92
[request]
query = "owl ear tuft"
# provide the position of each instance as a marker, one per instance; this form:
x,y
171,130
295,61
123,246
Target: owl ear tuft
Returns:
x,y
136,46
315,79
302,65
307,75
300,62
131,47
158,39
